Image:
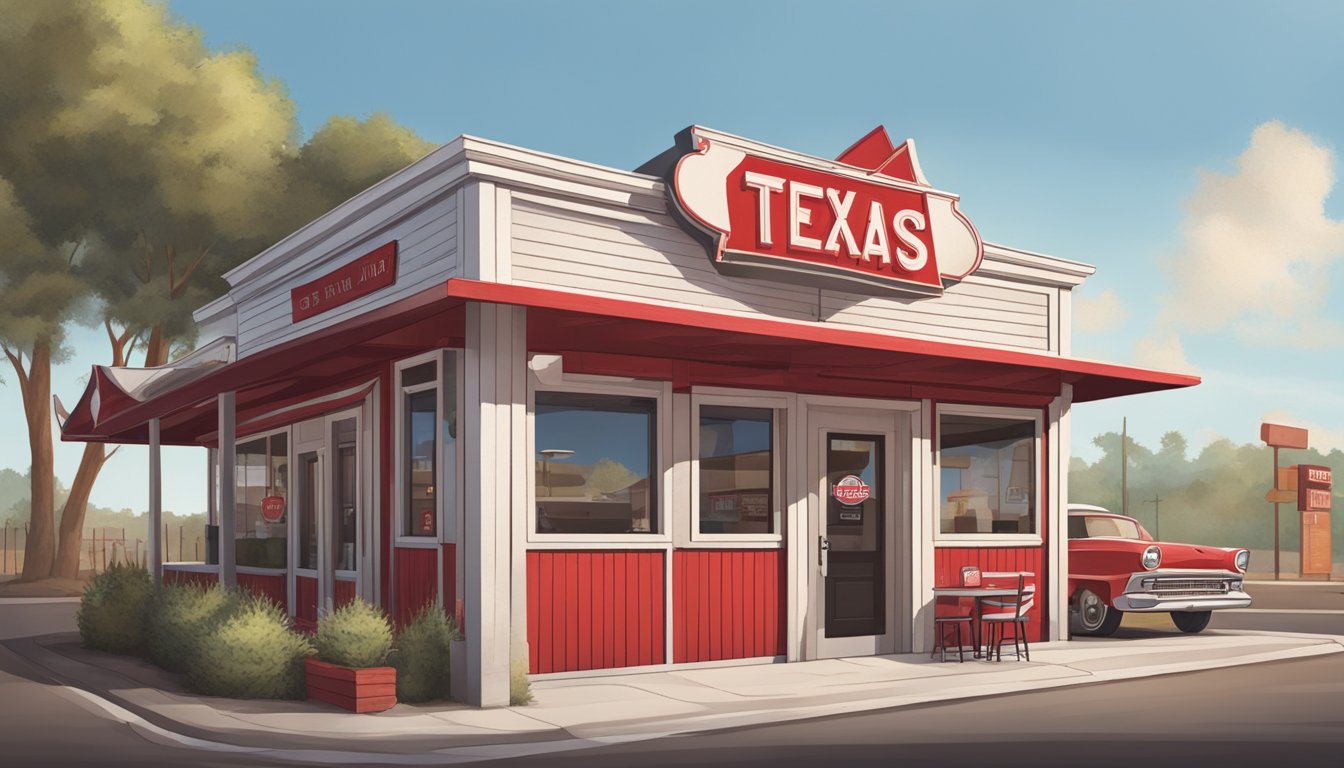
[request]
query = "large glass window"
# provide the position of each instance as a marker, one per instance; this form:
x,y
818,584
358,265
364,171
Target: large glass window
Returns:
x,y
987,474
596,463
345,511
261,488
736,470
421,452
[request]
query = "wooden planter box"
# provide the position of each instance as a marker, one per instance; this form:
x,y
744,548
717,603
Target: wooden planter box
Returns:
x,y
358,690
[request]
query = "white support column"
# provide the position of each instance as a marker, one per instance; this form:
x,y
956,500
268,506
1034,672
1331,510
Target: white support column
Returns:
x,y
494,486
1058,494
228,561
155,504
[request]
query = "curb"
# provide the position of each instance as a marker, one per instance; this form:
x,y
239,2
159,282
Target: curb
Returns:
x,y
597,735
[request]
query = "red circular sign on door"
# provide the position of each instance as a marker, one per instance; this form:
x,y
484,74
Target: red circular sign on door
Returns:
x,y
427,521
273,508
851,491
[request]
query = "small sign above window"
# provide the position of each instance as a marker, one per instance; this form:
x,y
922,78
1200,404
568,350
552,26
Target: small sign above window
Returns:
x,y
370,272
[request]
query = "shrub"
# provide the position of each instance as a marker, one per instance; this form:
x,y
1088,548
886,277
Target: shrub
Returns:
x,y
253,654
112,611
421,657
520,688
355,635
181,617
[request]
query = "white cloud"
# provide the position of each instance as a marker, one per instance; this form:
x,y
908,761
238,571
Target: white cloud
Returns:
x,y
1162,352
1093,315
1257,246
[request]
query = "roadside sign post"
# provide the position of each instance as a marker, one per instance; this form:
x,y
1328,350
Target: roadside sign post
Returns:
x,y
1280,436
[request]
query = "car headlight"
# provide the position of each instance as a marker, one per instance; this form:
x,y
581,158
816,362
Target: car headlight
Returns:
x,y
1152,557
1243,560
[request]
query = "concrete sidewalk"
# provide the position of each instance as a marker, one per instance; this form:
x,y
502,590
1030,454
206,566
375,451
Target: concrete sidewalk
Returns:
x,y
581,712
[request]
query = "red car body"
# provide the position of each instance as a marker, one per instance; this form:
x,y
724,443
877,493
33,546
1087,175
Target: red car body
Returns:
x,y
1115,566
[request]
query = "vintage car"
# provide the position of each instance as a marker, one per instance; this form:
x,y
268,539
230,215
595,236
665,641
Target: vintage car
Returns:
x,y
1116,566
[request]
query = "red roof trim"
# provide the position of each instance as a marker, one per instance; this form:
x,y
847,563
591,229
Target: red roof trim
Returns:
x,y
476,290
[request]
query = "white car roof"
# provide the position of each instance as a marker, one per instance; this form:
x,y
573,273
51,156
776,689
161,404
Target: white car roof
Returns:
x,y
1090,508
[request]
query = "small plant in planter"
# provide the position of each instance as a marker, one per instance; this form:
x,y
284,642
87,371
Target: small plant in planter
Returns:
x,y
350,669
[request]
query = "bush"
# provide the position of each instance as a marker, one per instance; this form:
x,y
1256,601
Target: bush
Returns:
x,y
520,688
254,654
181,617
421,657
112,611
355,635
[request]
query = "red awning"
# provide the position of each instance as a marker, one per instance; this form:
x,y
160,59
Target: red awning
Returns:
x,y
593,334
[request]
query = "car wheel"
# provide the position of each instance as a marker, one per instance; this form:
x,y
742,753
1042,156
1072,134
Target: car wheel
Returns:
x,y
1090,615
1191,622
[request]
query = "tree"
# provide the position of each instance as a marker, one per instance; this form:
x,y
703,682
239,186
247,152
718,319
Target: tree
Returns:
x,y
158,164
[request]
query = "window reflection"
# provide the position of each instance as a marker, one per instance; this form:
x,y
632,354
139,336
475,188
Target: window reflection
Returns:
x,y
261,488
593,465
988,474
736,470
420,452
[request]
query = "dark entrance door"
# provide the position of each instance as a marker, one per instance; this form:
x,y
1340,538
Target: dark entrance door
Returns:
x,y
854,538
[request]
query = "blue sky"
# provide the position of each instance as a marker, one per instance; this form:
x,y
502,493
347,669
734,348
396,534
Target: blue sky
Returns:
x,y
1186,150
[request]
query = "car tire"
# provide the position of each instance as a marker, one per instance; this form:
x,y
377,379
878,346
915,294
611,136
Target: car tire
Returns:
x,y
1090,615
1191,622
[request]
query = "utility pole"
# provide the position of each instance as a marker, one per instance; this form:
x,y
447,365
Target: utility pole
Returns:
x,y
1124,466
1156,501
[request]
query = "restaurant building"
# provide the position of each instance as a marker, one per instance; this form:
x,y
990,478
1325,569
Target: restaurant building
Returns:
x,y
741,405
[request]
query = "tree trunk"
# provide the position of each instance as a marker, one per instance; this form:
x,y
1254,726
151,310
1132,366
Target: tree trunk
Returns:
x,y
77,502
156,349
76,505
38,553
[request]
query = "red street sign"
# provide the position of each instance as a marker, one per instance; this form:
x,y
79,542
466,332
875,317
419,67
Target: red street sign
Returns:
x,y
273,508
1312,475
868,223
1313,499
1281,436
374,270
851,491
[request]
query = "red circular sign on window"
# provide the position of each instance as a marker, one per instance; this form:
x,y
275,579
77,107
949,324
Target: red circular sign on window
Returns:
x,y
851,491
427,521
273,508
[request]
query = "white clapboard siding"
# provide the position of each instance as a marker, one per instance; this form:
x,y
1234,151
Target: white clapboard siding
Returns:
x,y
639,256
428,253
623,253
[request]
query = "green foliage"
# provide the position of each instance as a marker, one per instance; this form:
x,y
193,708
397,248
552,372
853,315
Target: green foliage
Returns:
x,y
355,635
253,654
520,688
112,611
422,656
1216,498
182,617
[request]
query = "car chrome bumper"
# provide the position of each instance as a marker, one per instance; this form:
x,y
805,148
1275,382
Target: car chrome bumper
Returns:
x,y
1183,590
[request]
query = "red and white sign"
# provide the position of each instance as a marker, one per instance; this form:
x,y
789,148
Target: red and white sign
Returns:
x,y
273,509
374,270
868,222
851,491
1314,488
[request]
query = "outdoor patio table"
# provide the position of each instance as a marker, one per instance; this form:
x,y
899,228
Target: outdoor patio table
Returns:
x,y
979,593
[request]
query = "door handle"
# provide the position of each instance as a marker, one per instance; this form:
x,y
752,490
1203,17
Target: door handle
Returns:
x,y
823,546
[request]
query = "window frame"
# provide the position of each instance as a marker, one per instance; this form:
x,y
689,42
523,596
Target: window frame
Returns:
x,y
661,393
1037,419
778,405
445,518
266,435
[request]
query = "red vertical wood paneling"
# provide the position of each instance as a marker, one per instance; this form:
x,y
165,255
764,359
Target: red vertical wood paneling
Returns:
x,y
386,478
266,585
344,592
305,599
948,562
417,581
729,604
595,610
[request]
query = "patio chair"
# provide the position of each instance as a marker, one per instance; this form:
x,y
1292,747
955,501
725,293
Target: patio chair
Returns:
x,y
941,625
998,614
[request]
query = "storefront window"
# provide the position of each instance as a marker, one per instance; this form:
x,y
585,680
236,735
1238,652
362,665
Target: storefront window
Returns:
x,y
421,459
987,474
347,498
595,463
261,502
736,470
426,445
